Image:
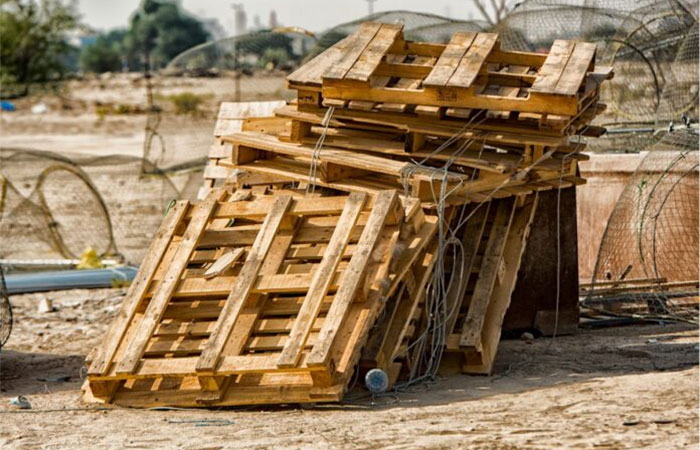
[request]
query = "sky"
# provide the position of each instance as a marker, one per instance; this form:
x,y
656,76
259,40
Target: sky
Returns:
x,y
314,15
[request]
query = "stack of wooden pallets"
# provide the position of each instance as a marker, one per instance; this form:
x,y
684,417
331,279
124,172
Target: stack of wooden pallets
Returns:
x,y
313,251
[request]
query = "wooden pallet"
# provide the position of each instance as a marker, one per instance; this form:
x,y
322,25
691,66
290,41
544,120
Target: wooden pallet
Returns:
x,y
247,299
493,240
413,130
377,65
355,171
232,118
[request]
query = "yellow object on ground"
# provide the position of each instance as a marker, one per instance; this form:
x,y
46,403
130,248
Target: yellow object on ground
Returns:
x,y
90,260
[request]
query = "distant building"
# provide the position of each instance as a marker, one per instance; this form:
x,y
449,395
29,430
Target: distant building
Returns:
x,y
273,20
241,21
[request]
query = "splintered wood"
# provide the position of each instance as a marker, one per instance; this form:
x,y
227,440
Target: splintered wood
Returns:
x,y
312,254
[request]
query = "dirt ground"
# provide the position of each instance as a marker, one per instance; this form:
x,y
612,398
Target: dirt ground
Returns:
x,y
107,115
628,387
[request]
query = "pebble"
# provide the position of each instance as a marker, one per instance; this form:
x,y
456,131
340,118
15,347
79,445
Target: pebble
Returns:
x,y
45,306
527,337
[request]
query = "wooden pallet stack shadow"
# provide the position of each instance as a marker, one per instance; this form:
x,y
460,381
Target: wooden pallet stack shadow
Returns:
x,y
267,291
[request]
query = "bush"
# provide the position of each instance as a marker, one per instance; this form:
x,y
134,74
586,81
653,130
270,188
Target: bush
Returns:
x,y
105,54
187,102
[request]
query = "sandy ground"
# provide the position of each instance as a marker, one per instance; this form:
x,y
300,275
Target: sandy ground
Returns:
x,y
630,387
72,124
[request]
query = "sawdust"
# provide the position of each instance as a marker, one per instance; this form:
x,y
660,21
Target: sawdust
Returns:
x,y
628,387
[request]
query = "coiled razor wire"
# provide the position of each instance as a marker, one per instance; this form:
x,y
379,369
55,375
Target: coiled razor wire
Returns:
x,y
6,319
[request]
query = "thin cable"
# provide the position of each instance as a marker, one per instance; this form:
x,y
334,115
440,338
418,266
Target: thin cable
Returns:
x,y
316,155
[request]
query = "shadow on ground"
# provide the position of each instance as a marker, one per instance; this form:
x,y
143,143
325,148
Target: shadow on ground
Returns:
x,y
33,373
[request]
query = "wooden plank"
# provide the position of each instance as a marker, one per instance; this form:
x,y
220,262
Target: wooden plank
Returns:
x,y
352,159
307,234
157,305
321,281
534,60
232,114
214,172
550,72
471,240
575,71
309,74
415,69
137,290
363,312
470,65
354,48
241,289
431,111
490,265
500,298
258,208
352,277
450,59
370,58
220,150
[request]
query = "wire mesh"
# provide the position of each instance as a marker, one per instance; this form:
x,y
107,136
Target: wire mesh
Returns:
x,y
652,46
55,206
648,257
6,319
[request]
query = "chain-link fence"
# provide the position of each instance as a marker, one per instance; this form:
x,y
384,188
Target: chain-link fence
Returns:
x,y
651,44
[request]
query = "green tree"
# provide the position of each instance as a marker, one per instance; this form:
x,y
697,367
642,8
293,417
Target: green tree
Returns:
x,y
33,42
106,54
160,31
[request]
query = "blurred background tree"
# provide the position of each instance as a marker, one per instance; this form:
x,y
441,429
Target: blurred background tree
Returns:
x,y
34,44
106,54
159,30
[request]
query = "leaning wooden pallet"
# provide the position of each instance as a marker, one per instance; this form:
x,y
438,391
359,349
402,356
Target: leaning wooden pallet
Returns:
x,y
494,242
283,293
